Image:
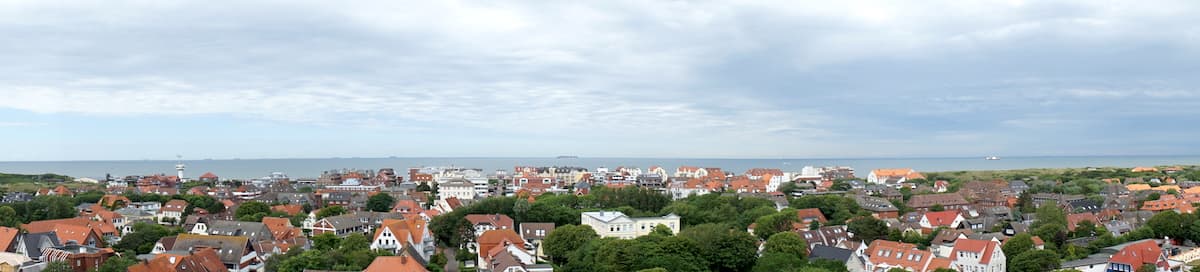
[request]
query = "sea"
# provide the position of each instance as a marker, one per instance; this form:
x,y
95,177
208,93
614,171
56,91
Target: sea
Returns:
x,y
311,168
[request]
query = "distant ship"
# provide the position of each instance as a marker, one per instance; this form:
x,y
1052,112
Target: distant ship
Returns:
x,y
991,158
568,157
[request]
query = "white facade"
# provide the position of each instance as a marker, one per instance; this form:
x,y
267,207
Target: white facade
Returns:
x,y
964,260
617,224
460,190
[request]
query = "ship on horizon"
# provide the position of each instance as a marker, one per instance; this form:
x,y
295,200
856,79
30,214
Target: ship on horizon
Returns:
x,y
991,158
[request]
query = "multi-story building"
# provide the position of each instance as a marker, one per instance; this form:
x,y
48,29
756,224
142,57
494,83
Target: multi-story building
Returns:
x,y
617,224
883,255
457,188
977,256
172,212
485,222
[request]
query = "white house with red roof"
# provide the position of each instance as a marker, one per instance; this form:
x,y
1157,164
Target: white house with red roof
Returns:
x,y
1136,254
691,172
172,212
949,219
894,176
977,255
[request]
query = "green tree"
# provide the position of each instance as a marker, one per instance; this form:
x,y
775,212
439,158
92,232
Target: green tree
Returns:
x,y
326,241
58,266
937,208
788,243
252,209
8,217
867,228
116,264
381,202
724,248
1169,224
1017,244
1049,214
1147,268
561,242
1035,260
661,230
814,225
353,242
331,211
143,237
1053,233
779,222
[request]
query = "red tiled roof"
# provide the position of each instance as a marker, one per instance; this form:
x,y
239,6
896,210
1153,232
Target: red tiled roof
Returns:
x,y
1073,220
291,209
807,215
395,264
208,175
7,237
1138,254
942,218
175,205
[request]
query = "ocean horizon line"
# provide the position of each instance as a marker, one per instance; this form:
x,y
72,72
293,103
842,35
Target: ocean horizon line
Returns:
x,y
610,158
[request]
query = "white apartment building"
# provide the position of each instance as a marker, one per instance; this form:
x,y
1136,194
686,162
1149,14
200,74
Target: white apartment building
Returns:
x,y
617,224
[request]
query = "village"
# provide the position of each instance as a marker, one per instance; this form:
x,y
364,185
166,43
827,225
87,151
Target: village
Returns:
x,y
550,218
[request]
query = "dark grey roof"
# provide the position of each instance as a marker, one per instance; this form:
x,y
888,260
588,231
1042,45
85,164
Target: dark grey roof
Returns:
x,y
34,243
229,248
1094,259
253,230
347,221
830,253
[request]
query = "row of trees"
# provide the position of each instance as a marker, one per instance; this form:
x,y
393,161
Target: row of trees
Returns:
x,y
705,247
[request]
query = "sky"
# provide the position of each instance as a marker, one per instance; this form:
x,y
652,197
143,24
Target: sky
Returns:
x,y
117,80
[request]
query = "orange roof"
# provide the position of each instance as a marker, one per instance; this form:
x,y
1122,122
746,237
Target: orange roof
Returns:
x,y
808,215
7,237
208,175
898,172
936,263
405,230
291,209
109,200
1073,220
897,254
1037,241
281,228
395,264
175,205
1144,169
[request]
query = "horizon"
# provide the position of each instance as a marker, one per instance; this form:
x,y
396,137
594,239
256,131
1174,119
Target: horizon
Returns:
x,y
129,80
638,158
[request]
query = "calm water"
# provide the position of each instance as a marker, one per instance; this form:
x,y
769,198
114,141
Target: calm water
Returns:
x,y
314,167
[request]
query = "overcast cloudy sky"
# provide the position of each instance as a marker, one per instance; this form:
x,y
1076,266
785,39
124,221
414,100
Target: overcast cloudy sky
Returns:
x,y
763,79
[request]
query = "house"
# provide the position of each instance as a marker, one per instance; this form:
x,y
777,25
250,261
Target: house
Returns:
x,y
398,234
1133,255
486,222
209,177
893,177
13,262
1073,220
1017,187
280,228
172,212
943,242
949,219
617,224
680,189
1140,169
395,263
78,230
511,258
883,255
457,188
834,236
81,258
948,201
198,260
31,244
977,255
986,193
534,234
879,208
254,231
1094,263
237,253
691,172
57,191
496,240
824,252
114,201
8,239
1170,203
346,224
289,209
807,216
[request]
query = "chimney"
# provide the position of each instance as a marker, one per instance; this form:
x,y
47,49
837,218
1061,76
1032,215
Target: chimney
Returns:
x,y
403,259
